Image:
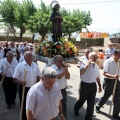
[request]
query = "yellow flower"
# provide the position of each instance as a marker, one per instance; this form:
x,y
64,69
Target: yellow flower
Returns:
x,y
74,49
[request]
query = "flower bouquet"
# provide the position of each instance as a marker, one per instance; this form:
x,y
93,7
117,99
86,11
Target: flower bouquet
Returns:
x,y
62,47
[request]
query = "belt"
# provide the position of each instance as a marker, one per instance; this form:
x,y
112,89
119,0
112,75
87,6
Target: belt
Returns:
x,y
8,77
109,79
89,83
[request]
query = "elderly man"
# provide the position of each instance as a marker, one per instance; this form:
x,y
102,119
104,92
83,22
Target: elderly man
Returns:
x,y
84,58
44,98
89,75
7,67
33,76
26,48
109,51
14,51
111,73
63,75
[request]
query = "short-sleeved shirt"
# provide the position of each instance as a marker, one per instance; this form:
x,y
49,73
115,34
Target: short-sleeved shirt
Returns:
x,y
43,103
21,59
33,72
109,50
110,66
101,55
11,67
84,58
63,81
91,73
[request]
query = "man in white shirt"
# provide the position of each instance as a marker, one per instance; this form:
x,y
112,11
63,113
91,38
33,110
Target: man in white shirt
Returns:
x,y
33,76
109,51
111,73
7,67
63,75
21,49
44,98
26,48
89,75
84,58
14,51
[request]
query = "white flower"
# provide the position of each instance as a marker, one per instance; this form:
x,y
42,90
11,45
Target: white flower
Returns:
x,y
56,43
60,43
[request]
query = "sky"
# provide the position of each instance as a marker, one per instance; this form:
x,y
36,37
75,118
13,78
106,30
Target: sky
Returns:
x,y
105,13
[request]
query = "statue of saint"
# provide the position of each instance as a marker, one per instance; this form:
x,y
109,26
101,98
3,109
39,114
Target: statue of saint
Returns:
x,y
56,19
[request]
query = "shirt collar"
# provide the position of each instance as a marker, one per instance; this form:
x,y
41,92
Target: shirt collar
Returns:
x,y
5,60
55,66
43,87
25,63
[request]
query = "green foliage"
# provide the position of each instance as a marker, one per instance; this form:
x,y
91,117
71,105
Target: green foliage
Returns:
x,y
85,42
7,8
25,15
75,20
87,20
17,14
17,39
22,13
40,21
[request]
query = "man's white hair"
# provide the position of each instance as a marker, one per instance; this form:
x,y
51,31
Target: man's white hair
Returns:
x,y
26,48
25,54
49,72
92,54
9,53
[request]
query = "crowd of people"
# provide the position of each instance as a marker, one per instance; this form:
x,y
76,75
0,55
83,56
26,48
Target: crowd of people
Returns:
x,y
43,94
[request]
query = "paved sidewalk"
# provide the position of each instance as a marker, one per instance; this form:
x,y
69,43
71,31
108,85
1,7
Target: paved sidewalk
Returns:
x,y
73,85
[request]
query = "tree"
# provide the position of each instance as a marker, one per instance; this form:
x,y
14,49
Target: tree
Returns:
x,y
7,8
75,21
87,20
22,12
40,21
71,22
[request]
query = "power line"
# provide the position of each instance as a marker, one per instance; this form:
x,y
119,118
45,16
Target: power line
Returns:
x,y
92,2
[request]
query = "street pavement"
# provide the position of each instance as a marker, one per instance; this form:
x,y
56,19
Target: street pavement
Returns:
x,y
72,92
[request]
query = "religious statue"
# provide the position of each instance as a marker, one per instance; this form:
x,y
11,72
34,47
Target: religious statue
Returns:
x,y
56,19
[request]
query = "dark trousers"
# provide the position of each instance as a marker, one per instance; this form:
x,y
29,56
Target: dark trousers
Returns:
x,y
87,92
64,100
24,102
10,90
108,90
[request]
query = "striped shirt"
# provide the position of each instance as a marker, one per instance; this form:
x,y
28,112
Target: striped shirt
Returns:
x,y
43,103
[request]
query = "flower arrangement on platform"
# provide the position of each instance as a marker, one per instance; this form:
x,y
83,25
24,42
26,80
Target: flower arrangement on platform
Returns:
x,y
62,47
